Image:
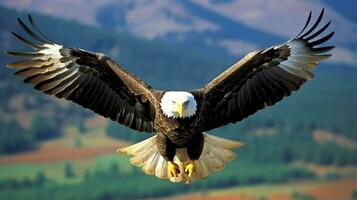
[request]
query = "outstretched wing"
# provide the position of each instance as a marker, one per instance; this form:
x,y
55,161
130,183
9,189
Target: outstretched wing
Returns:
x,y
89,79
263,77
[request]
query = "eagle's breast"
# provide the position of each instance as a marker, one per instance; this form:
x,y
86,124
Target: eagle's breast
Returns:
x,y
179,131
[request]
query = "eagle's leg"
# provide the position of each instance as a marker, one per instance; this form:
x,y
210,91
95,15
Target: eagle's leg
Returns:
x,y
167,150
173,169
194,151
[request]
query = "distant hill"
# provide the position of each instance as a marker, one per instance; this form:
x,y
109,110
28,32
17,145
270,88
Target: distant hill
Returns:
x,y
214,35
231,27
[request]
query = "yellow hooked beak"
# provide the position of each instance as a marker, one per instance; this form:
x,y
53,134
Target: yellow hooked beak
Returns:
x,y
180,109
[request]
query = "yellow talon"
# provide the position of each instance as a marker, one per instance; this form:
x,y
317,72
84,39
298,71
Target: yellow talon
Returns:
x,y
190,168
172,169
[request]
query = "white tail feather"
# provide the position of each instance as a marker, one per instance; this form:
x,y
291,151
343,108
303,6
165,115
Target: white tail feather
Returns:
x,y
216,152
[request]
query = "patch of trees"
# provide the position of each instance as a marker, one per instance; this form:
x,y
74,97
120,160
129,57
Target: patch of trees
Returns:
x,y
287,149
38,181
354,194
118,131
13,138
111,183
43,128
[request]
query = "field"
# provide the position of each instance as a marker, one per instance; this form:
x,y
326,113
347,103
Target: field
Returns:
x,y
95,152
86,152
324,190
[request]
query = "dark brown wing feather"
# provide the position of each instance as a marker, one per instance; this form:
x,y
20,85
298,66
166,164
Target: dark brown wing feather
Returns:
x,y
262,78
89,79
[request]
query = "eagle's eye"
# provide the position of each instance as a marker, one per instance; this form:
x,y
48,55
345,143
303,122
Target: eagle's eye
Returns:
x,y
185,103
174,102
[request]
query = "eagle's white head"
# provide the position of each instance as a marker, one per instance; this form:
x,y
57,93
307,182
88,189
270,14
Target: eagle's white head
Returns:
x,y
178,104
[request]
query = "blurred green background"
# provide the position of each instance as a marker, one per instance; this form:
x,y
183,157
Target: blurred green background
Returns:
x,y
302,148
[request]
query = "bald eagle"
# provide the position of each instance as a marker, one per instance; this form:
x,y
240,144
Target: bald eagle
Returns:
x,y
179,150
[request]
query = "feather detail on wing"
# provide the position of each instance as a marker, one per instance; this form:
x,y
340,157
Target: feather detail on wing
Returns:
x,y
263,77
89,79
